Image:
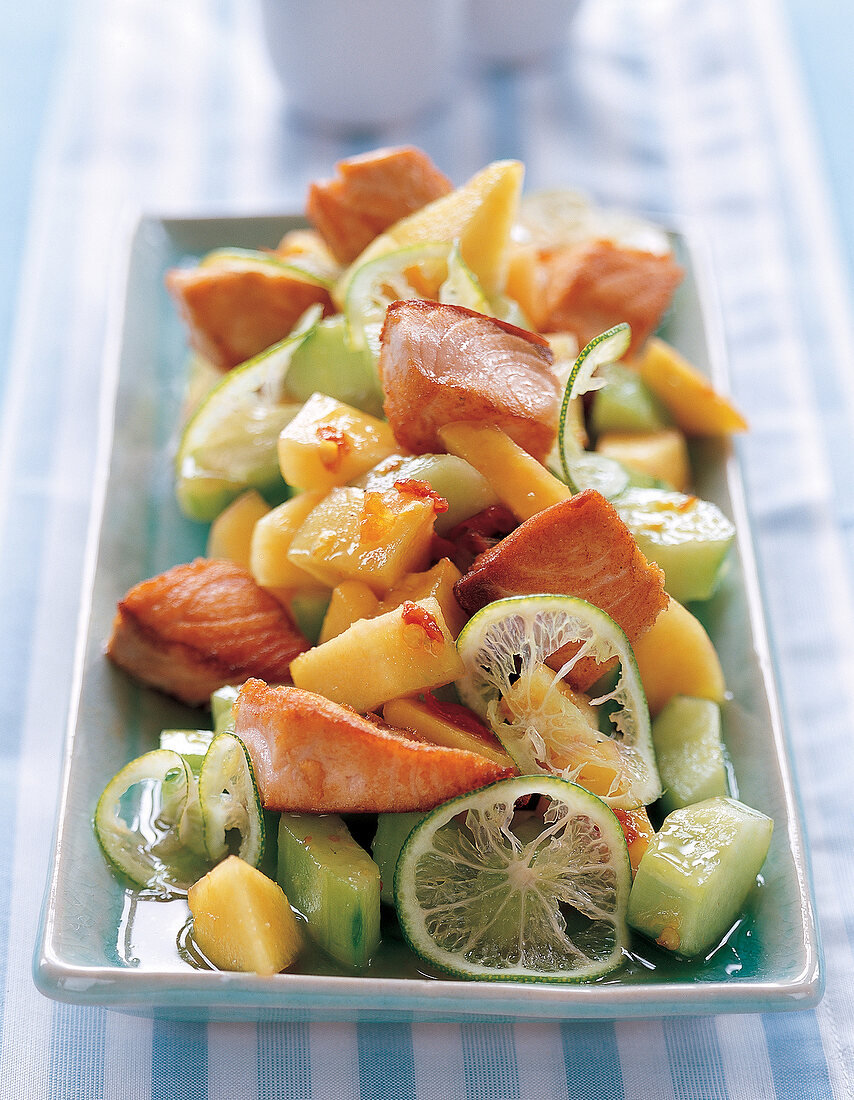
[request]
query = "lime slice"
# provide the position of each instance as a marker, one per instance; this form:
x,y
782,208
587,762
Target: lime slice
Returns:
x,y
462,288
504,648
405,273
137,818
230,802
230,443
586,469
309,269
478,896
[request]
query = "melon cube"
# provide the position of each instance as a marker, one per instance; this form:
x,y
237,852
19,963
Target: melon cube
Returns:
x,y
242,919
402,652
437,582
676,657
373,537
351,601
271,539
329,443
662,454
230,536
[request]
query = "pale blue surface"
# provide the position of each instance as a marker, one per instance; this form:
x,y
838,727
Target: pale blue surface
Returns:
x,y
669,105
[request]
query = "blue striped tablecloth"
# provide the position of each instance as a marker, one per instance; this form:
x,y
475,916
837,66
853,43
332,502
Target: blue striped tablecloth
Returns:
x,y
671,105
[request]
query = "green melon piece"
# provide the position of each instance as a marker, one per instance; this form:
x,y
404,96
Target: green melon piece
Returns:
x,y
326,363
689,751
626,404
392,831
688,537
333,882
696,874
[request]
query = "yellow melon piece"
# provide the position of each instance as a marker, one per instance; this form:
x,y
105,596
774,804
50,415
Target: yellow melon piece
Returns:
x,y
375,537
271,539
696,407
662,454
480,214
443,727
351,601
676,657
402,652
230,536
242,920
437,582
329,443
519,481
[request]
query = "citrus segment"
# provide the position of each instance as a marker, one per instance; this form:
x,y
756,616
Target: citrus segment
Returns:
x,y
484,892
504,648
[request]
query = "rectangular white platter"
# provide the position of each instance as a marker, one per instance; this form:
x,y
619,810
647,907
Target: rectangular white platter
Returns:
x,y
100,945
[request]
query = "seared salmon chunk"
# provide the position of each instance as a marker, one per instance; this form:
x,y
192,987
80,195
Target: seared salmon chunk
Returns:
x,y
441,363
593,286
200,626
234,310
578,547
369,193
314,756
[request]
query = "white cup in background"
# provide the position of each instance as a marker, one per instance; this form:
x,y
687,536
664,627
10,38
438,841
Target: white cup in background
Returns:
x,y
351,64
517,31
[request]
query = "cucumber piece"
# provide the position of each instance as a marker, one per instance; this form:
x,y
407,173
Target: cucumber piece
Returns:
x,y
695,876
688,537
327,363
191,744
465,489
689,751
392,831
222,704
626,404
333,882
309,609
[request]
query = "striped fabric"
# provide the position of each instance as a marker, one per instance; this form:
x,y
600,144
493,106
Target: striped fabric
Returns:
x,y
668,105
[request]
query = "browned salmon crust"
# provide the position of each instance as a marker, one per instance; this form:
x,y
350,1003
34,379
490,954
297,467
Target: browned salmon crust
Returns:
x,y
441,363
578,547
200,626
235,311
311,755
370,193
593,286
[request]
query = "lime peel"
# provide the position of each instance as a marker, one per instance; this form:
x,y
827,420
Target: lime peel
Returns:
x,y
585,469
479,900
230,801
506,644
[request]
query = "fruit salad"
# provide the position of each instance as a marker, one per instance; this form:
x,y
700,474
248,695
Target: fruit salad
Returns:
x,y
456,690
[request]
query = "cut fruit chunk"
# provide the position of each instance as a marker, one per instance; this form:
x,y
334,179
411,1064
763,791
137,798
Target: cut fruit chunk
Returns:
x,y
329,443
690,753
688,537
692,401
661,456
137,819
230,802
222,708
504,648
242,920
230,536
229,443
333,882
481,897
191,744
626,404
676,657
696,874
401,652
314,756
448,724
516,479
